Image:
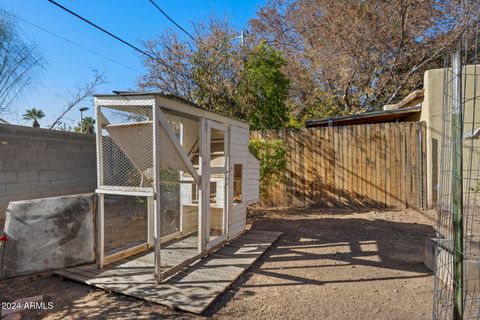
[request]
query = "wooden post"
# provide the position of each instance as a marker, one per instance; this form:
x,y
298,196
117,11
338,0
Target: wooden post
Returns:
x,y
151,221
457,185
204,185
228,180
100,231
156,186
101,197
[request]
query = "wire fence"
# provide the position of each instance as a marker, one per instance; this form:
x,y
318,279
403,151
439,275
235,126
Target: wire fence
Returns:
x,y
129,184
457,270
127,148
126,222
178,214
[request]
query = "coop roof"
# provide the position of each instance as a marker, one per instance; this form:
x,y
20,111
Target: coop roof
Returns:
x,y
195,108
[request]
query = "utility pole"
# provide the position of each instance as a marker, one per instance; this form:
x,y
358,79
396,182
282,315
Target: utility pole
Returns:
x,y
242,37
457,184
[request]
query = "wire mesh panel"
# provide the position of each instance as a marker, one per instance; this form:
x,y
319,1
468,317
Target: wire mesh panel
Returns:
x,y
179,207
125,221
457,269
179,220
138,197
170,202
127,148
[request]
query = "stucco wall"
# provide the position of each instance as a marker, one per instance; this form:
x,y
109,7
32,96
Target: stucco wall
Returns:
x,y
432,107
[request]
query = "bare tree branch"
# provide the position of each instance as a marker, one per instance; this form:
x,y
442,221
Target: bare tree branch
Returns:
x,y
359,55
19,62
81,94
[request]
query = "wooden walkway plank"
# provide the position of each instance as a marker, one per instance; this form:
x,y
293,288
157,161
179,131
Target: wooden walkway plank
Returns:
x,y
192,289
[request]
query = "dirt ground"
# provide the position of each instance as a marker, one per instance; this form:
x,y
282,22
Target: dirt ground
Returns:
x,y
329,264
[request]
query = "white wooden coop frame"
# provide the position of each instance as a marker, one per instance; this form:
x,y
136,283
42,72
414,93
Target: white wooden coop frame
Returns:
x,y
148,143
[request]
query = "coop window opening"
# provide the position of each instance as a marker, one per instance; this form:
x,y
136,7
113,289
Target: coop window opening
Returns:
x,y
237,182
217,148
213,192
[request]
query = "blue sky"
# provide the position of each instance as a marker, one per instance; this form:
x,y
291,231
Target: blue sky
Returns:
x,y
133,20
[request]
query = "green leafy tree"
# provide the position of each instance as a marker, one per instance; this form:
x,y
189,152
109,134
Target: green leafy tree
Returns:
x,y
273,161
263,90
87,125
218,73
35,115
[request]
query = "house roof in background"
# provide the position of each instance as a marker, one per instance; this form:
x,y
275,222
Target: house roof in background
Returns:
x,y
395,115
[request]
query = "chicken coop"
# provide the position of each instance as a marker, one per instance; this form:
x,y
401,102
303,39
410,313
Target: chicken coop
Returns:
x,y
174,180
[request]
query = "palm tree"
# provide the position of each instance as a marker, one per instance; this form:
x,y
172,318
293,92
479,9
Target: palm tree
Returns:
x,y
87,125
35,115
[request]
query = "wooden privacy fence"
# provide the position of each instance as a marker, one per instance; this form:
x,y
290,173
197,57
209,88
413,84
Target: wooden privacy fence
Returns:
x,y
373,165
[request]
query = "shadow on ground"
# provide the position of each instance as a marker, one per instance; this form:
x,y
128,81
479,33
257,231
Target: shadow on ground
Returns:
x,y
374,261
72,300
352,248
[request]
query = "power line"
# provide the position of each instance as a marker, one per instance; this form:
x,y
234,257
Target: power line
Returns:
x,y
102,29
173,21
70,41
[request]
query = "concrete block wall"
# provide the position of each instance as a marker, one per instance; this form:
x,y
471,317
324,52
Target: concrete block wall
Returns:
x,y
38,163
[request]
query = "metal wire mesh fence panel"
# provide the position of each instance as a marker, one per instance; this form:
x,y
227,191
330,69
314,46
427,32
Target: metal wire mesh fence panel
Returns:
x,y
179,219
178,212
127,149
139,197
125,221
457,269
170,205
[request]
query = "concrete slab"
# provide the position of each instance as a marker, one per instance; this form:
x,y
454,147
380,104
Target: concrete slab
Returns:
x,y
441,252
49,233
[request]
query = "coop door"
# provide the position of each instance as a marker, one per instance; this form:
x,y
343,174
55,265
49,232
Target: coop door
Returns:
x,y
216,174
